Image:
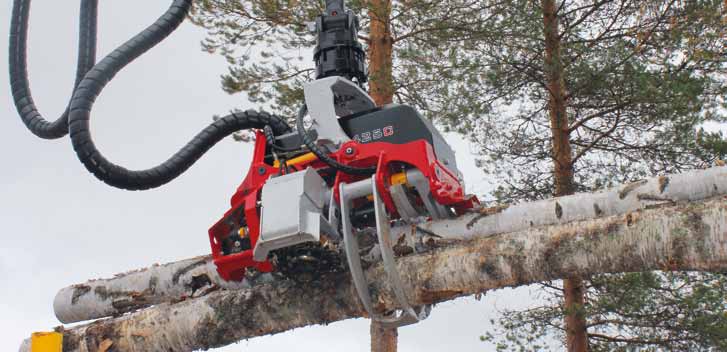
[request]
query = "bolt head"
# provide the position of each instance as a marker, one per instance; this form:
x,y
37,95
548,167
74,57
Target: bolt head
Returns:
x,y
261,170
349,150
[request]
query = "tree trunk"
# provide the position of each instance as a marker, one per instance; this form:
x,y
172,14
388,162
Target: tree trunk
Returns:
x,y
141,288
181,280
686,236
383,339
381,86
573,292
553,67
381,89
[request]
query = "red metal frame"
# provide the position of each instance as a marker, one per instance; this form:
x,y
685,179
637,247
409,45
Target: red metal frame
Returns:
x,y
389,159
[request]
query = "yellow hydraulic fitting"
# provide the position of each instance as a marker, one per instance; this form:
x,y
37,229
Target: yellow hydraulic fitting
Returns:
x,y
399,179
395,179
297,160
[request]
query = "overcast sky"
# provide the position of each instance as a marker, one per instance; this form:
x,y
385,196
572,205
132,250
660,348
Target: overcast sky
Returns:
x,y
61,226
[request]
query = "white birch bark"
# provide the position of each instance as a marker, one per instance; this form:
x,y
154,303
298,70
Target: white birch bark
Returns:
x,y
197,276
660,224
689,186
686,236
130,291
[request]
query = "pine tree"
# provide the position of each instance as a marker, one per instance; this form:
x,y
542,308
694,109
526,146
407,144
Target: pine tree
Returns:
x,y
622,87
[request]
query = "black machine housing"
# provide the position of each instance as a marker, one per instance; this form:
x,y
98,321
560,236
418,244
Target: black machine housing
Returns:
x,y
338,51
392,123
397,124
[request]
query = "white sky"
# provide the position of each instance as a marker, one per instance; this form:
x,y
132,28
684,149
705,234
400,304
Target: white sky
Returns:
x,y
61,226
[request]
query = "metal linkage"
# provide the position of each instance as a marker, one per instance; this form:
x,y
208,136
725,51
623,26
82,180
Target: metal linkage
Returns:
x,y
407,314
328,98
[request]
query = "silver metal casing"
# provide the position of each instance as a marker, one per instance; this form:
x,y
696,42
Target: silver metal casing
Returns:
x,y
328,98
291,212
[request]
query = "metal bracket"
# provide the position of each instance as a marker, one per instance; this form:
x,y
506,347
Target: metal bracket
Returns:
x,y
421,184
329,98
402,203
408,314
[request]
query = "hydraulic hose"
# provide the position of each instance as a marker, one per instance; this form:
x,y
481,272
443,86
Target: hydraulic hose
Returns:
x,y
270,138
97,78
323,156
19,83
135,180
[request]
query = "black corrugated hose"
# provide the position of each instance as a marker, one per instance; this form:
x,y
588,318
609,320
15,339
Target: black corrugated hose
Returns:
x,y
96,79
19,83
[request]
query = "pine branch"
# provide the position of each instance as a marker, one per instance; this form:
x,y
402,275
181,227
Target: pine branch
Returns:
x,y
622,339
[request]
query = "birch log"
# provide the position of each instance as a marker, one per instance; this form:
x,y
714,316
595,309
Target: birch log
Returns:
x,y
130,291
196,277
685,236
